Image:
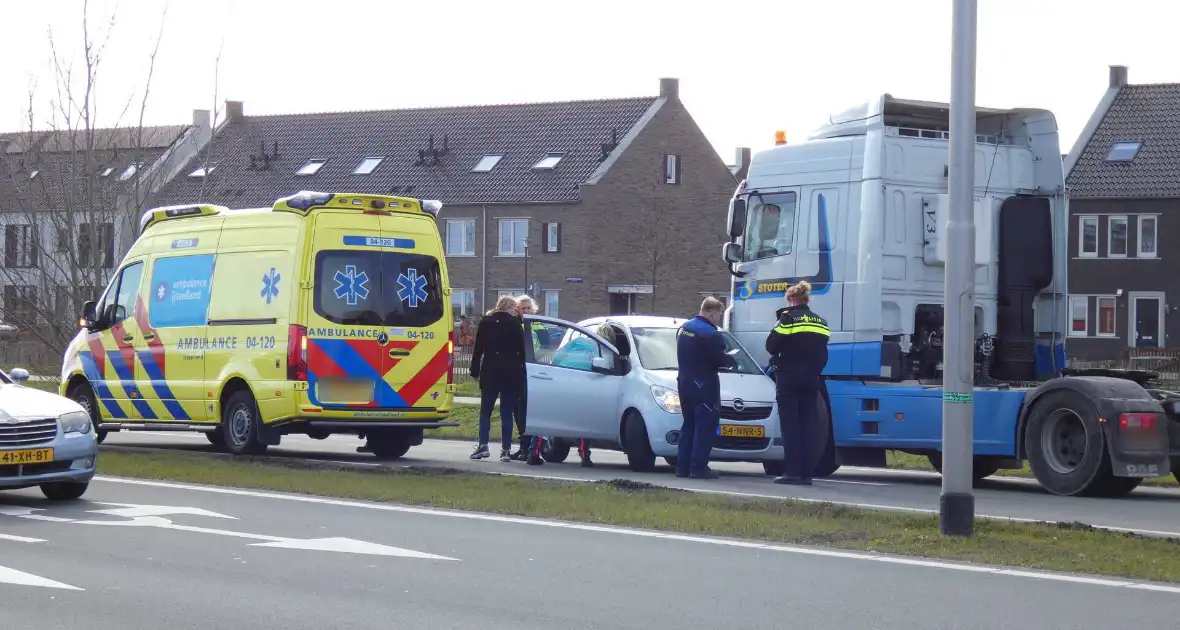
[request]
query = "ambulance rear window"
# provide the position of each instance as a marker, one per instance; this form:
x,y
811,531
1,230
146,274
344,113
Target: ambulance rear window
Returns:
x,y
378,288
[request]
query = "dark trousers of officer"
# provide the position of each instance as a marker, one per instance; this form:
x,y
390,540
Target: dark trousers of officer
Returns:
x,y
697,432
797,411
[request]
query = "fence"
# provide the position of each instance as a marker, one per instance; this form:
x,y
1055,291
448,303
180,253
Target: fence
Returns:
x,y
1163,361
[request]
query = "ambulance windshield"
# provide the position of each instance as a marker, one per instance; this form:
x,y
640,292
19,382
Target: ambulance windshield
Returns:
x,y
378,288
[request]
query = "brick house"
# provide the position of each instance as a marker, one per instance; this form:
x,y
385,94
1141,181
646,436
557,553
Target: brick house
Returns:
x,y
1123,176
69,202
618,202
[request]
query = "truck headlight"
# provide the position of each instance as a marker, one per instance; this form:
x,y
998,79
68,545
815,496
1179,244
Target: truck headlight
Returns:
x,y
667,399
75,422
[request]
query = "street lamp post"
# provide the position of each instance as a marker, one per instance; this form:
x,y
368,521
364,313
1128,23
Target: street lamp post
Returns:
x,y
957,503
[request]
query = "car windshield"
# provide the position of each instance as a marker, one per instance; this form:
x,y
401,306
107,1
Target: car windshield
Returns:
x,y
657,350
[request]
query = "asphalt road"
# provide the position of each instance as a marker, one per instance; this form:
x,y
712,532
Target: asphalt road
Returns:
x,y
1147,510
138,556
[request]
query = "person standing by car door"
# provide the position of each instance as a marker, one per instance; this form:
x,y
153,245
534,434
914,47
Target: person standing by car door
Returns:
x,y
700,354
533,333
497,362
798,349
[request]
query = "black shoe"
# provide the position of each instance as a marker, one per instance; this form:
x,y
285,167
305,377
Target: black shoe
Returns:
x,y
519,456
707,474
586,463
792,481
681,475
534,460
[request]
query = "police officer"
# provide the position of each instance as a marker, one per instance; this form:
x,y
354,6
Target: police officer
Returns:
x,y
700,355
798,348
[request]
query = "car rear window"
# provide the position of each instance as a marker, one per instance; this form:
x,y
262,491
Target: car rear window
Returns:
x,y
378,288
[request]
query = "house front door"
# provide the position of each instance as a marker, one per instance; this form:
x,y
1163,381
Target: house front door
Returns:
x,y
1147,331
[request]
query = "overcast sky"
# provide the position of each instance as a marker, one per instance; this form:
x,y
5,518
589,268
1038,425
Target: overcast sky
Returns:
x,y
746,68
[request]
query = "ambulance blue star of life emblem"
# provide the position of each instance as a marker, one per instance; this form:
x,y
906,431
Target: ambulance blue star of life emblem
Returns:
x,y
350,285
412,288
270,285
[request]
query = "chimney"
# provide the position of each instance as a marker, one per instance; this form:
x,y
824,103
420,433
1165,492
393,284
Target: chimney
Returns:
x,y
741,163
670,88
233,111
1118,76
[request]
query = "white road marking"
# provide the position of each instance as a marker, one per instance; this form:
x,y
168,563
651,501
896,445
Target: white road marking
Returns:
x,y
12,576
23,539
851,555
130,510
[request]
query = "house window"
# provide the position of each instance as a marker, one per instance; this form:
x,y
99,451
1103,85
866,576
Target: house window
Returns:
x,y
311,168
1106,311
1123,151
549,161
20,305
672,169
513,235
368,165
106,171
34,174
551,299
1148,233
20,247
202,171
64,242
99,252
463,303
1116,246
460,237
486,163
1088,237
552,238
130,171
1079,316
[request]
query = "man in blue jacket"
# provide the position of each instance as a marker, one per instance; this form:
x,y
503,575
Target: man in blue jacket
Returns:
x,y
700,355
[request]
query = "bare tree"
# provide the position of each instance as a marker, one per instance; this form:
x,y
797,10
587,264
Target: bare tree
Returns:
x,y
71,188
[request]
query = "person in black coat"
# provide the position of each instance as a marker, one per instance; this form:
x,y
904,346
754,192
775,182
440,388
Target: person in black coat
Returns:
x,y
798,349
497,362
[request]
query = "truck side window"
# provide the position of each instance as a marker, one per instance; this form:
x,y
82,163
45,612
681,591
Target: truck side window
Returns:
x,y
772,226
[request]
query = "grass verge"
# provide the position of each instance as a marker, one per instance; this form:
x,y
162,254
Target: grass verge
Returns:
x,y
468,418
1073,548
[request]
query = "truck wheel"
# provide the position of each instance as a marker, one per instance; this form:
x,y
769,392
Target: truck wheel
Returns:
x,y
1067,449
241,424
636,444
83,395
825,441
555,450
64,490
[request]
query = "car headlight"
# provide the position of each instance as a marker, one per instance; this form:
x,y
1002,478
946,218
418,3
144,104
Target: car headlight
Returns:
x,y
76,422
667,399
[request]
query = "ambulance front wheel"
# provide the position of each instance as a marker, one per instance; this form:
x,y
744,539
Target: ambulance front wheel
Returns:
x,y
241,424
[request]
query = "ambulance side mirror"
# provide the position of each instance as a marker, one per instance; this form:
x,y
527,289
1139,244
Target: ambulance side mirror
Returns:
x,y
89,317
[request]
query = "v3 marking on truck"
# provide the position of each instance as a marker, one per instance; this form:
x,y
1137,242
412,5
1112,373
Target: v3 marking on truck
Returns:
x,y
821,282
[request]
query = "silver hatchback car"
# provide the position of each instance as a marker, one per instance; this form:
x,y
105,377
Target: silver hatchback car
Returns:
x,y
46,440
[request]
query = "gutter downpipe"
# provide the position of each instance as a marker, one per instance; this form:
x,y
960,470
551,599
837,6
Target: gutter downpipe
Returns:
x,y
483,256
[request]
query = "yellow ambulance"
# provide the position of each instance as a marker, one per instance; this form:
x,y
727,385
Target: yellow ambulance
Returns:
x,y
326,313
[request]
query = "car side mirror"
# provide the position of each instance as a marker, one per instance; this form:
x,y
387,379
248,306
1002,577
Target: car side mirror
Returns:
x,y
19,375
89,317
602,365
732,252
737,217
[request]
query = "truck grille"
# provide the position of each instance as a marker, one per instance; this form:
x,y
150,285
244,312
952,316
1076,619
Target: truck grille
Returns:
x,y
28,433
749,412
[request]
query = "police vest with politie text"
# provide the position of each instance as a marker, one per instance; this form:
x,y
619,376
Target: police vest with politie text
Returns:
x,y
798,347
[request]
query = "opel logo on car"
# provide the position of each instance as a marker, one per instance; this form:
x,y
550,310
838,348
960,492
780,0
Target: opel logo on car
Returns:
x,y
739,404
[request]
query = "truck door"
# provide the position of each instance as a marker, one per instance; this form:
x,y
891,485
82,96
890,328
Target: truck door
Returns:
x,y
768,261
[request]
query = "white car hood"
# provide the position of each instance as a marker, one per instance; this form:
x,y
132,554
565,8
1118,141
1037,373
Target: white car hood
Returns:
x,y
28,403
748,387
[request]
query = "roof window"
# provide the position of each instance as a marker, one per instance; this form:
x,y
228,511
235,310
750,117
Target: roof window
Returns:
x,y
106,171
549,161
1123,151
311,168
129,172
487,163
202,171
368,165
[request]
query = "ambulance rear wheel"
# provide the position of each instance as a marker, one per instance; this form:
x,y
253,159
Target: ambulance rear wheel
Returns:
x,y
241,424
84,396
391,445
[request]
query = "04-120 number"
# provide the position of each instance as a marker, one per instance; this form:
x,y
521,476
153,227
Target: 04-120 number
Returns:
x,y
263,343
414,334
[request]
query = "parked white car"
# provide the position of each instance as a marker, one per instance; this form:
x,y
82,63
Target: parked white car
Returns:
x,y
624,396
46,440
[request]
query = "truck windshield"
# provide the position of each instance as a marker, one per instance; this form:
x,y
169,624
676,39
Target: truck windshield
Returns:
x,y
772,225
657,350
378,288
